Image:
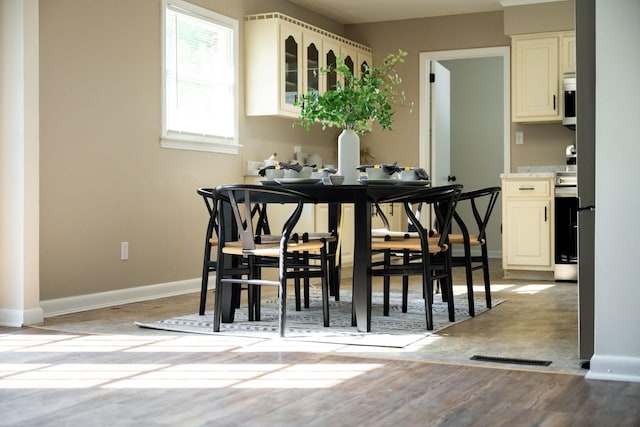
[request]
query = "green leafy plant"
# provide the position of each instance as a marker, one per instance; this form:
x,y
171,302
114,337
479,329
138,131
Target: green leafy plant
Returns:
x,y
357,102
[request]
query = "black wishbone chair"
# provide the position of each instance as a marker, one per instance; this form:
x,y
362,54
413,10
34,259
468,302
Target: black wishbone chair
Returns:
x,y
422,255
240,258
482,202
211,240
209,264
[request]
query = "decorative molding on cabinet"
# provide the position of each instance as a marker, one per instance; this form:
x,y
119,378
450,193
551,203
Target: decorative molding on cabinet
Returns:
x,y
306,26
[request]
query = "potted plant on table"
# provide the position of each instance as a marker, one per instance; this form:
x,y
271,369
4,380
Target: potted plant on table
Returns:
x,y
354,105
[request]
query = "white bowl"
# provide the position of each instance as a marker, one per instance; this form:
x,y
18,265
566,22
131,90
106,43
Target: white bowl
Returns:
x,y
377,174
336,179
409,175
274,173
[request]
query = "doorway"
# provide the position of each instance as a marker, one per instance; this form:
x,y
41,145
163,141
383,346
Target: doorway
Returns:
x,y
480,122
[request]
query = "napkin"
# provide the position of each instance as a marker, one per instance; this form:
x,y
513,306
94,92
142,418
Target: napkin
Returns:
x,y
329,171
281,165
421,173
389,168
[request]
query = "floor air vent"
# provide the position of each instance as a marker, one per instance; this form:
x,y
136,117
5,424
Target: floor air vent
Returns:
x,y
511,360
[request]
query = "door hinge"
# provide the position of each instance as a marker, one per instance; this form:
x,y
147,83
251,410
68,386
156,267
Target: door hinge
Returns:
x,y
432,77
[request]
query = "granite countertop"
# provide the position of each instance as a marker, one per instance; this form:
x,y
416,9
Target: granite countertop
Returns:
x,y
535,172
528,175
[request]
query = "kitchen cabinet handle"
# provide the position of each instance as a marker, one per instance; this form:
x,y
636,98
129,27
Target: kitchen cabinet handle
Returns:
x,y
554,102
526,188
545,214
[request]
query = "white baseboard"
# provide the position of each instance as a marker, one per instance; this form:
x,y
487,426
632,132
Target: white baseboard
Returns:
x,y
614,368
18,318
75,304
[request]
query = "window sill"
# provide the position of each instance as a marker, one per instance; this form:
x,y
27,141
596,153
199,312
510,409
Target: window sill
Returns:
x,y
194,145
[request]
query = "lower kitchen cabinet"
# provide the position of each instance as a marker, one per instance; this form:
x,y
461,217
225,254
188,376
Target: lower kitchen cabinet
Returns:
x,y
527,215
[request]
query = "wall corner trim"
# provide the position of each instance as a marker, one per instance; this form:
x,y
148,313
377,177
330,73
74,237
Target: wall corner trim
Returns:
x,y
614,368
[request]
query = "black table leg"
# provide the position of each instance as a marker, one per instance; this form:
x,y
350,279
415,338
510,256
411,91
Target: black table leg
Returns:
x,y
362,263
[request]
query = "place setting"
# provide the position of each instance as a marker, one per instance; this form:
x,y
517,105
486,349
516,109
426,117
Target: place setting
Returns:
x,y
294,173
392,174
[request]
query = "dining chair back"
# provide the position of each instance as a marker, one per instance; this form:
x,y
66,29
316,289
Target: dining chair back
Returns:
x,y
240,257
209,265
423,255
474,234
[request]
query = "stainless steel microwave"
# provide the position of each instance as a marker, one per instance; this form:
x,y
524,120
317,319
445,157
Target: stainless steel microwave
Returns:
x,y
569,102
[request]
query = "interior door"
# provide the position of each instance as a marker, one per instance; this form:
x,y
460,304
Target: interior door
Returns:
x,y
440,125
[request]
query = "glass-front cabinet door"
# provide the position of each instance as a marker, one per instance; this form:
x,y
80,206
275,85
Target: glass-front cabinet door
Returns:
x,y
331,54
349,56
312,56
291,67
365,61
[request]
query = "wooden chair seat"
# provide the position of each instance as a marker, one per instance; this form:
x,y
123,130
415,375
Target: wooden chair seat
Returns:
x,y
271,249
474,239
413,245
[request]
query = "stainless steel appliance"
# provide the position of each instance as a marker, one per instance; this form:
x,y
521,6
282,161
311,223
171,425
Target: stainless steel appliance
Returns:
x,y
572,158
569,102
566,226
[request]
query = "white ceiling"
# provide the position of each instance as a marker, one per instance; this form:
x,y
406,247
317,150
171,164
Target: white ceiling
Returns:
x,y
362,11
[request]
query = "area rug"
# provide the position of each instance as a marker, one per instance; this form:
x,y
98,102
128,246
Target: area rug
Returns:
x,y
396,330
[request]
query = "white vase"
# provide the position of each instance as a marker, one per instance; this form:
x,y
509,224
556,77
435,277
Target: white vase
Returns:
x,y
349,155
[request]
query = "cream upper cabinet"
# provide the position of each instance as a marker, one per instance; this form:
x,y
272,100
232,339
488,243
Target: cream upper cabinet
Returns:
x,y
535,79
527,214
283,60
539,61
568,43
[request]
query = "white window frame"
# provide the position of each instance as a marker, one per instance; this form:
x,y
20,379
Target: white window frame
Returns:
x,y
191,141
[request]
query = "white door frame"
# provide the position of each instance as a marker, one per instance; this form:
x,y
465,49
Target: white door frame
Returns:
x,y
425,150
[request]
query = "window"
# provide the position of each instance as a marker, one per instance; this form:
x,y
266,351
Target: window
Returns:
x,y
200,79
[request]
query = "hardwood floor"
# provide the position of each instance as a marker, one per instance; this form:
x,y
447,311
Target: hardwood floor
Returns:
x,y
96,368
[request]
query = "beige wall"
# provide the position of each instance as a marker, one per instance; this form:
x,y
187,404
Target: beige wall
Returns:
x,y
104,178
415,36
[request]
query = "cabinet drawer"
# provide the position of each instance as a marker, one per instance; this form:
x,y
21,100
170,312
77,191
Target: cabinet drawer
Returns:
x,y
528,188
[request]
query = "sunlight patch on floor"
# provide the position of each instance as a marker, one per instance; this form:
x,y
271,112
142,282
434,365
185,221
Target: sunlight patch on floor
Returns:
x,y
180,376
532,289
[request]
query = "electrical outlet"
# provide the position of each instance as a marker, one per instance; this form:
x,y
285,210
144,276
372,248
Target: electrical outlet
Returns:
x,y
124,251
519,137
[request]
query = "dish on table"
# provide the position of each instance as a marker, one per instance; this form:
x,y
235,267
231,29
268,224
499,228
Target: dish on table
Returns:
x,y
289,181
389,181
418,182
